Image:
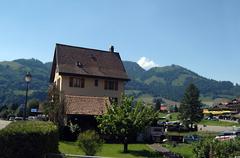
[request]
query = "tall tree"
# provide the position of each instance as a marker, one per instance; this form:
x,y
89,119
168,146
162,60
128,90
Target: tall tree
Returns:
x,y
54,107
157,104
190,107
125,119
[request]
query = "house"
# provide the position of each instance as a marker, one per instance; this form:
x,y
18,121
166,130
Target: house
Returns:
x,y
89,79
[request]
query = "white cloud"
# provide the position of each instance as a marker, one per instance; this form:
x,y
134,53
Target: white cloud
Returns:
x,y
146,63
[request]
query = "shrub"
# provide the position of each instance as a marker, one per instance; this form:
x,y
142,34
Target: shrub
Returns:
x,y
69,133
28,139
216,149
90,142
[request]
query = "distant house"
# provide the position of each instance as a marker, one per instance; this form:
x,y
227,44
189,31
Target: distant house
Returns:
x,y
90,79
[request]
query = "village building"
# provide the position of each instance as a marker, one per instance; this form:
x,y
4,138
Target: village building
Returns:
x,y
90,80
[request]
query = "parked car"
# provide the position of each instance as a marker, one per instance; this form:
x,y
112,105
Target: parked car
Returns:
x,y
213,118
191,138
18,118
227,135
11,118
31,118
155,134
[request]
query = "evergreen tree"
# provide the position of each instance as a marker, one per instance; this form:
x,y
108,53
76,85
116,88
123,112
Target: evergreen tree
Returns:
x,y
190,107
157,104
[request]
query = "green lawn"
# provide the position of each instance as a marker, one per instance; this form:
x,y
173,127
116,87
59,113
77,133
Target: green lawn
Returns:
x,y
171,116
185,150
218,123
111,150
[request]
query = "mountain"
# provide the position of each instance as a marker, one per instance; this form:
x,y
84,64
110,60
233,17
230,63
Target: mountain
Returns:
x,y
168,82
133,69
12,83
171,81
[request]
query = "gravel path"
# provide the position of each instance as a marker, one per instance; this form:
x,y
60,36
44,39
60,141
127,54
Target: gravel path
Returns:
x,y
166,153
3,123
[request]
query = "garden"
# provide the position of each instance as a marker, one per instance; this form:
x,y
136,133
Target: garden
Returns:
x,y
111,150
115,135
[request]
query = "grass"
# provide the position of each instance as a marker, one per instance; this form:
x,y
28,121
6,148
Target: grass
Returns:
x,y
111,150
173,116
147,98
218,123
185,150
170,117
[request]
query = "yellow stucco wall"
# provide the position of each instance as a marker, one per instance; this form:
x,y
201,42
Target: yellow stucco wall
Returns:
x,y
58,81
89,88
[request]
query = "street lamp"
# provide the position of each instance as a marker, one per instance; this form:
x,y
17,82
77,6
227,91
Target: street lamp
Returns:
x,y
28,78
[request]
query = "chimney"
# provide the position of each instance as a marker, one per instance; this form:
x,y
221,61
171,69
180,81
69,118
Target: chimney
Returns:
x,y
111,49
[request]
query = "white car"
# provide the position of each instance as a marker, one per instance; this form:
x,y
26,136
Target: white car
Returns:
x,y
11,118
226,135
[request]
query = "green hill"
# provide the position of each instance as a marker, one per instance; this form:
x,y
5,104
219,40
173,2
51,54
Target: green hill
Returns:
x,y
167,82
12,84
170,82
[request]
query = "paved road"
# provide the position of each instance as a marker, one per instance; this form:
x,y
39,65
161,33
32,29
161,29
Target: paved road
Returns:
x,y
216,128
3,123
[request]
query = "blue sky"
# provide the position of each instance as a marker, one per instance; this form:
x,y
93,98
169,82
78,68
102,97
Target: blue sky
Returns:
x,y
201,35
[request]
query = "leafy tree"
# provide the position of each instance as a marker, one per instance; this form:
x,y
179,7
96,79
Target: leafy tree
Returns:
x,y
54,107
190,107
125,119
5,113
19,112
14,106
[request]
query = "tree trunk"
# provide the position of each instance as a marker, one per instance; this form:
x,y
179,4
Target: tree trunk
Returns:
x,y
125,150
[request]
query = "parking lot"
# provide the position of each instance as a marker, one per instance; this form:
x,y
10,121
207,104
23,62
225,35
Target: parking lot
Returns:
x,y
215,128
3,123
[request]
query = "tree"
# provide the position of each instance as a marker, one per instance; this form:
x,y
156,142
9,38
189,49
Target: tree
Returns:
x,y
175,108
157,104
33,104
13,107
190,107
54,107
125,119
19,112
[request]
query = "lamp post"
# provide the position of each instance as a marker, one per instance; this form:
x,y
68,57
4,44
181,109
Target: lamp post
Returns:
x,y
28,78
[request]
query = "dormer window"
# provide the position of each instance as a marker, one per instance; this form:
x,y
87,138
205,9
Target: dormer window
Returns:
x,y
79,64
76,82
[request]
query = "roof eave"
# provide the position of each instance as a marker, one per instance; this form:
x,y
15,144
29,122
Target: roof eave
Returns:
x,y
93,76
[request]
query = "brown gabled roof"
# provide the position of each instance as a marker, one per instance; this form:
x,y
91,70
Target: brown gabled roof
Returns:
x,y
71,60
86,105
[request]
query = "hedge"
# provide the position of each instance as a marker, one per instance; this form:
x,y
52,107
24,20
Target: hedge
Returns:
x,y
28,139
